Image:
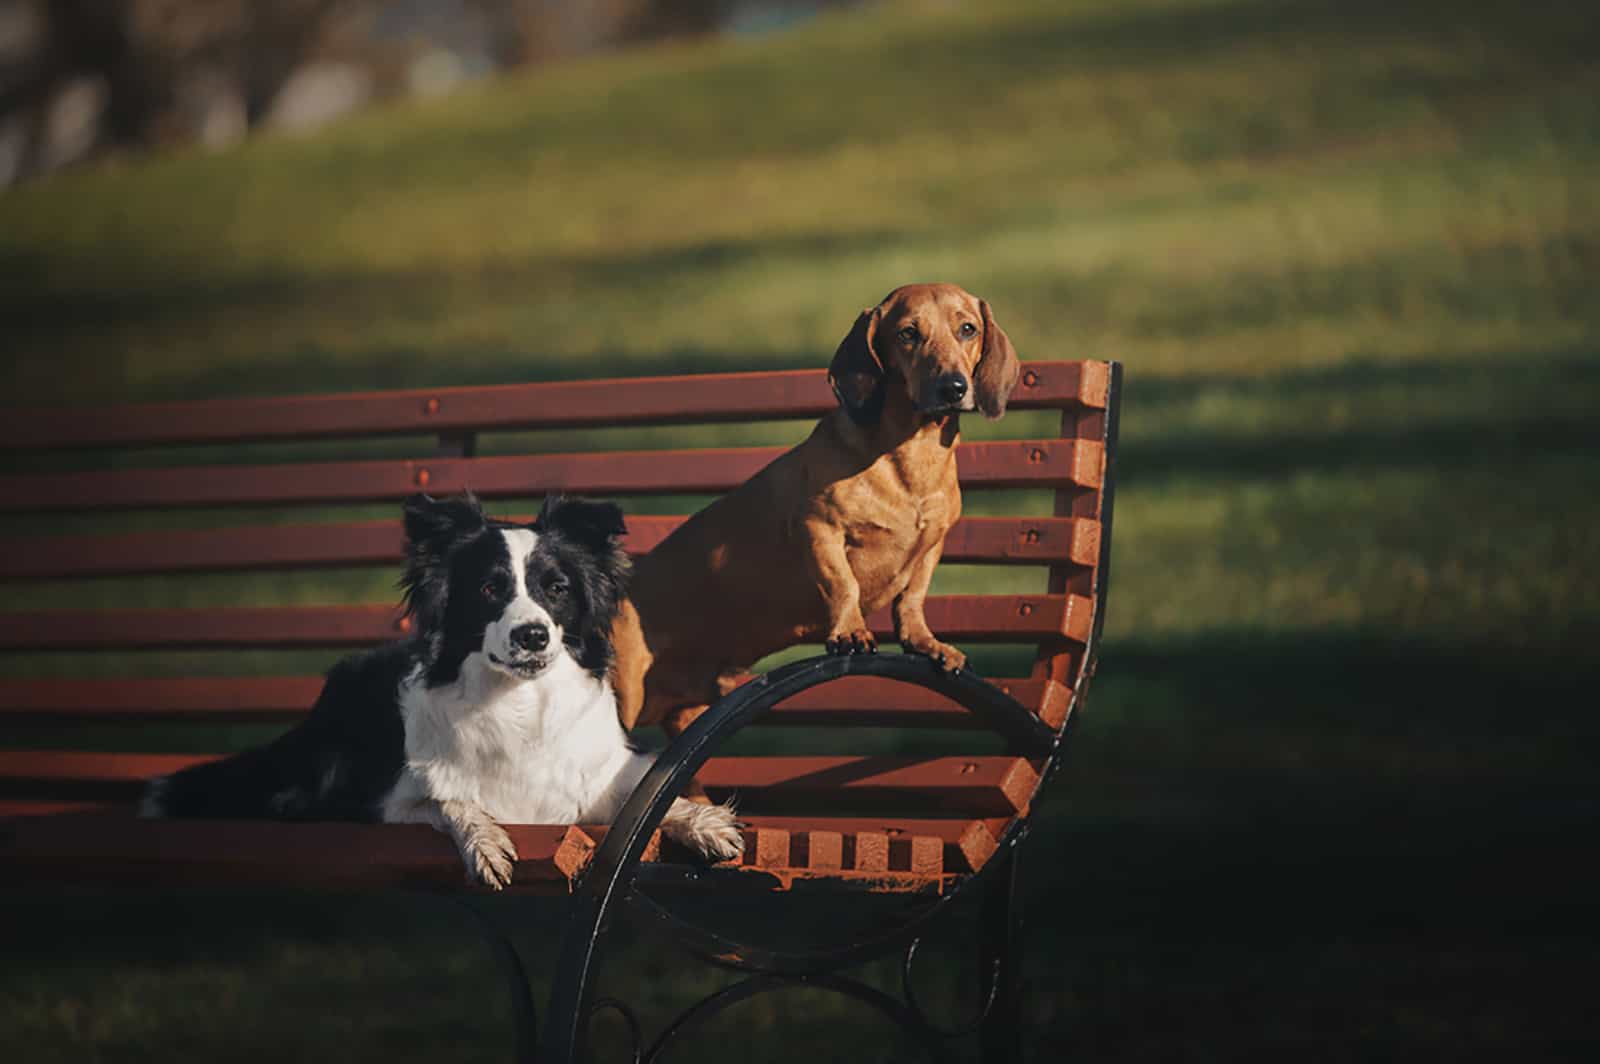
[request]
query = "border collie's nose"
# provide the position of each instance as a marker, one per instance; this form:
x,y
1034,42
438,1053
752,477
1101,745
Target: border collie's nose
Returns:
x,y
530,637
951,388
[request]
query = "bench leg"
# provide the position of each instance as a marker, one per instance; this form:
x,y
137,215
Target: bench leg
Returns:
x,y
1000,953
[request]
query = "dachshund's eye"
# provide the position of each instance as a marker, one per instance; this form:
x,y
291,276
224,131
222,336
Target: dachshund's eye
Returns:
x,y
489,590
968,330
908,335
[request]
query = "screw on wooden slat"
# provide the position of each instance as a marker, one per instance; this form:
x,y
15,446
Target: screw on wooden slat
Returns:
x,y
430,407
969,768
1024,609
1030,535
1036,455
422,478
403,624
1030,379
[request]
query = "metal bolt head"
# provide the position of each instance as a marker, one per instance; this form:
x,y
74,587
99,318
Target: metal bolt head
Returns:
x,y
1030,379
403,624
423,477
1031,536
1036,455
430,407
1025,609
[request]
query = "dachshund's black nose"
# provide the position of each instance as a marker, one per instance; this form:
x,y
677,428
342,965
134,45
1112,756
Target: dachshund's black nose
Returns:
x,y
951,388
530,637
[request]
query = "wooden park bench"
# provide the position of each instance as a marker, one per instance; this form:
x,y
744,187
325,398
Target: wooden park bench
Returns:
x,y
928,829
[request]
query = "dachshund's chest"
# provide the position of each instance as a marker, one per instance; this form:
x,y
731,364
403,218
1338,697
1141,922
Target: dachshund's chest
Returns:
x,y
890,536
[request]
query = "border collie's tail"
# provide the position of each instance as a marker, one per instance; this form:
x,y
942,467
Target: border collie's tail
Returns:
x,y
282,781
336,764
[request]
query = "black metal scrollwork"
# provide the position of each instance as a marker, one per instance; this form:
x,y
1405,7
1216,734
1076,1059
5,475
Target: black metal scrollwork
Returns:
x,y
909,991
620,1007
613,873
524,1015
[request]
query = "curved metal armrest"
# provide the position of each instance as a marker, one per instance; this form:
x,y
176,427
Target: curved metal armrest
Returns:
x,y
683,757
615,864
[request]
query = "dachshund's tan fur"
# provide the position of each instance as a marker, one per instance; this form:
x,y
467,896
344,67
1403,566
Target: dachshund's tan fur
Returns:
x,y
851,520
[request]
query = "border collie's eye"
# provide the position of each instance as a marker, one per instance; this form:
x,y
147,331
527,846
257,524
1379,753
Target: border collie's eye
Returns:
x,y
968,330
554,584
908,335
489,590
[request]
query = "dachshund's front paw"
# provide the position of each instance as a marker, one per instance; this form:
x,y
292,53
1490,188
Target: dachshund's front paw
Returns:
x,y
489,854
949,658
853,641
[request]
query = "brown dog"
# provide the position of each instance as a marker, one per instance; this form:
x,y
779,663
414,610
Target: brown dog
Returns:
x,y
851,520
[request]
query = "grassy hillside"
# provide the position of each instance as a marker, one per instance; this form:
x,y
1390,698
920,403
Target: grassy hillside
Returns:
x,y
1348,253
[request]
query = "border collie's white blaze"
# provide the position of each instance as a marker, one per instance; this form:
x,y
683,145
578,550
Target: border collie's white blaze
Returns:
x,y
498,710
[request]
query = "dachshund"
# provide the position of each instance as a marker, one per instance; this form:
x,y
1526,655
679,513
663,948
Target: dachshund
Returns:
x,y
851,520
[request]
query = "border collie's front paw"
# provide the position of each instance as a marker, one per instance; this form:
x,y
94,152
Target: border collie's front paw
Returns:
x,y
489,854
712,831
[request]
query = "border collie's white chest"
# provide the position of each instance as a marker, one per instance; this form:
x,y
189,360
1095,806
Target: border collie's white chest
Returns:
x,y
547,750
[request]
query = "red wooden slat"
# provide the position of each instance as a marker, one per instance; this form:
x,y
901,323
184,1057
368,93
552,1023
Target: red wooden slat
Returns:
x,y
1014,618
11,807
967,843
999,786
113,847
77,766
868,700
974,786
562,404
1014,540
276,626
1009,464
782,850
852,700
226,698
202,550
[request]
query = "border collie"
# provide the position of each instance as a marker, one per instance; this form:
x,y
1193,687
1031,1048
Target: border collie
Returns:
x,y
498,708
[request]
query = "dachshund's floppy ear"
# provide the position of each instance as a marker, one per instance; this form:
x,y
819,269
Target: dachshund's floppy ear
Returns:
x,y
995,377
433,527
856,374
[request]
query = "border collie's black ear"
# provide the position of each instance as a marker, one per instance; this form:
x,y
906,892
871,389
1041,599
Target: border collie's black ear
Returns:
x,y
433,526
998,370
598,528
856,373
597,525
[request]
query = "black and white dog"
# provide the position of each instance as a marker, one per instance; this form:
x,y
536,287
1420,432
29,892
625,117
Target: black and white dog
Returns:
x,y
498,708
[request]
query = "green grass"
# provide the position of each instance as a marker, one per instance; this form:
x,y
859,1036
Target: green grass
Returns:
x,y
1320,804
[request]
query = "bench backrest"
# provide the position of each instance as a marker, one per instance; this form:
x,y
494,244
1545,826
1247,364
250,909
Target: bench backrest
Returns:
x,y
192,488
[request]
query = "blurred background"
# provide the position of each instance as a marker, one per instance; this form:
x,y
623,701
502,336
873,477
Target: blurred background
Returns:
x,y
1330,797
